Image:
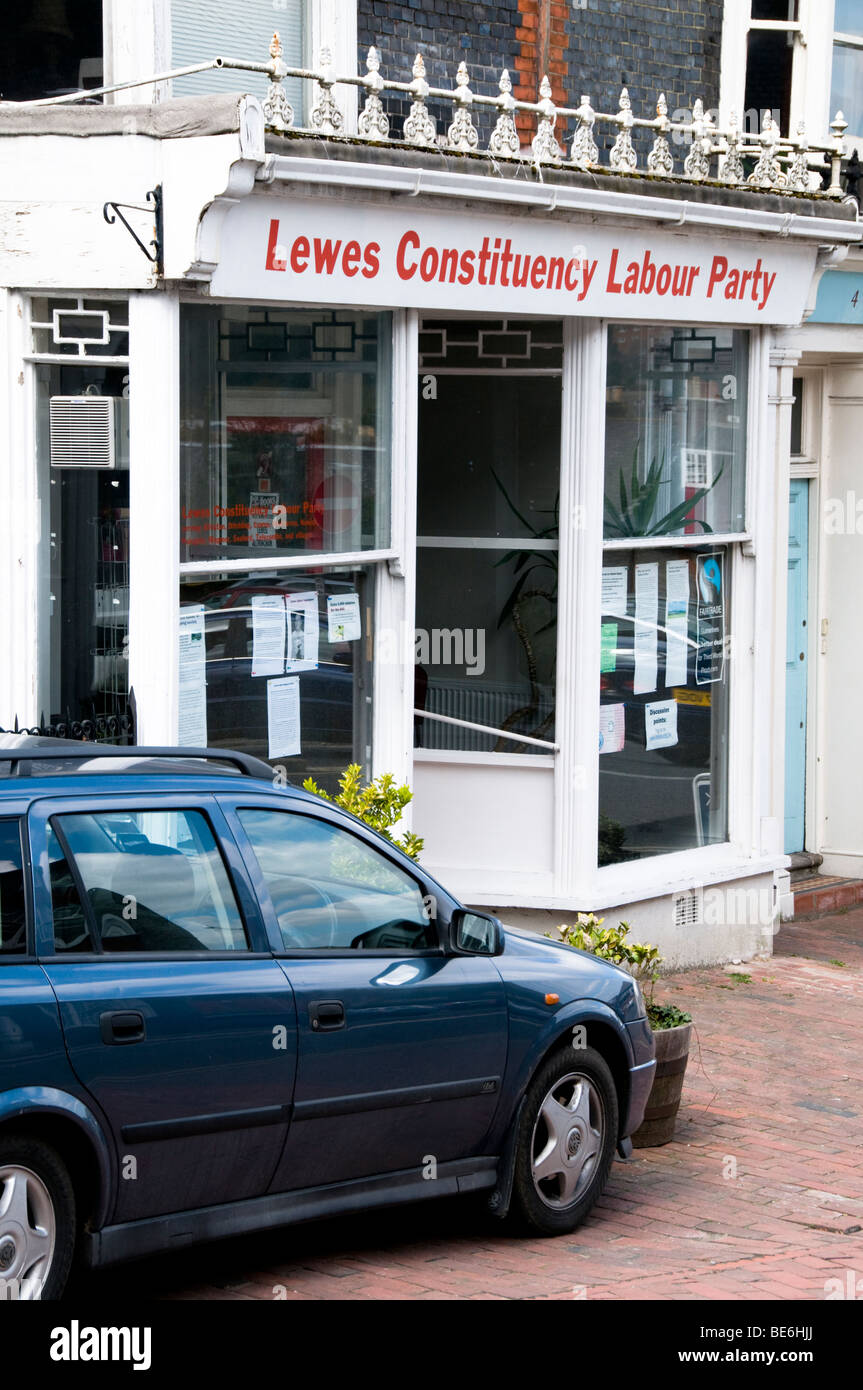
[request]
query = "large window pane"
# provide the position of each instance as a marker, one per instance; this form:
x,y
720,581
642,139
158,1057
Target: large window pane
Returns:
x,y
253,635
675,431
284,435
489,463
663,737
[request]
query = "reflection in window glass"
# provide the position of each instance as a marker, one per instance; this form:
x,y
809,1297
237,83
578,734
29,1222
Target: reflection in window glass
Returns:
x,y
259,627
487,521
330,889
663,702
675,431
155,881
71,929
284,433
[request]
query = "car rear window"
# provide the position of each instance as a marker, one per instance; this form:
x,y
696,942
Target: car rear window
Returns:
x,y
12,913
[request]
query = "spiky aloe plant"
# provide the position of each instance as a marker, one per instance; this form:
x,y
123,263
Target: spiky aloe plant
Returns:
x,y
637,506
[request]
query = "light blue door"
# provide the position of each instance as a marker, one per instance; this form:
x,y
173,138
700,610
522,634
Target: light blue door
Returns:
x,y
796,664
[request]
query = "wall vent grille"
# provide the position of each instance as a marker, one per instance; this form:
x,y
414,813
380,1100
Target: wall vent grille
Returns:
x,y
688,908
82,432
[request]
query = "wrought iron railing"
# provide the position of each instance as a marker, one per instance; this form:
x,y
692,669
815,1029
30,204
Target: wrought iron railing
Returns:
x,y
727,156
99,728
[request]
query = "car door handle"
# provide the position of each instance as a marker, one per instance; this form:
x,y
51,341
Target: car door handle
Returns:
x,y
325,1015
126,1026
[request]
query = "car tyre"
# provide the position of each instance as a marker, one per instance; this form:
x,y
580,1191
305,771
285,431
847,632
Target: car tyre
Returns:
x,y
37,1220
566,1142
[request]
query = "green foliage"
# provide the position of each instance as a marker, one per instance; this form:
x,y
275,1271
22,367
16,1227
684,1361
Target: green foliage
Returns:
x,y
379,804
642,961
666,1016
739,978
638,504
609,943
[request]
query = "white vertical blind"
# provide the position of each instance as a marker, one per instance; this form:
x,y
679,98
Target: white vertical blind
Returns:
x,y
226,29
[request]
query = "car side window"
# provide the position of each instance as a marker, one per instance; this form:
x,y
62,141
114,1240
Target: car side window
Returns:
x,y
71,928
154,881
13,921
331,890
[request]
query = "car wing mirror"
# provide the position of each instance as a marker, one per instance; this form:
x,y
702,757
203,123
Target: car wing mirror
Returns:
x,y
475,933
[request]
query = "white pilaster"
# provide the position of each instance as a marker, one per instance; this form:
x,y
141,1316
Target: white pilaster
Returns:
x,y
154,505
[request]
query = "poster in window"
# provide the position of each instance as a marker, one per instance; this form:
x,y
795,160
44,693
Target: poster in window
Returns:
x,y
710,619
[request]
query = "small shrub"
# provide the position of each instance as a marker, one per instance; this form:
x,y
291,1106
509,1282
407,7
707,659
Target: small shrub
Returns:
x,y
379,804
610,943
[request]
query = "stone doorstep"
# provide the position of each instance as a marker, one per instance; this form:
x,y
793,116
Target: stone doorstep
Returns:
x,y
818,895
804,864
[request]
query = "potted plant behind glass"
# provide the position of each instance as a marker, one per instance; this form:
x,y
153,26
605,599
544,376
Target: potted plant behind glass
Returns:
x,y
671,1027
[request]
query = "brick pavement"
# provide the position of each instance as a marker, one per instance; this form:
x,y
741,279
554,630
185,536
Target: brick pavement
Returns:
x,y
760,1196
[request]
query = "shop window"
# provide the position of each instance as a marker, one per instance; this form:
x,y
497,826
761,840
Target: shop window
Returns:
x,y
675,431
277,665
50,48
285,430
663,701
487,523
222,28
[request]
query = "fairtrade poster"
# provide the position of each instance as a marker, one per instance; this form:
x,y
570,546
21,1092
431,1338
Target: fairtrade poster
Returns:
x,y
710,618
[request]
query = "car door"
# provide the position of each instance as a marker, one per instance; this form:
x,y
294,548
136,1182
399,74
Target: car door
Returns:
x,y
402,1046
176,1018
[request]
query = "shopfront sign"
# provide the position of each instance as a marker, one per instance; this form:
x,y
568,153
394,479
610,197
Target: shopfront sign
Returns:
x,y
337,253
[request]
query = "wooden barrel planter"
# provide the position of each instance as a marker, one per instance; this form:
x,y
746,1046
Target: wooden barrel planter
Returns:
x,y
663,1103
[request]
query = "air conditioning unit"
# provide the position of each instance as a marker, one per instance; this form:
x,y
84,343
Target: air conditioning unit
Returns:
x,y
89,431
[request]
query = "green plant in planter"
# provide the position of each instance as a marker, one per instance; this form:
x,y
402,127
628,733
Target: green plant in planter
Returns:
x,y
666,1020
637,504
642,961
379,804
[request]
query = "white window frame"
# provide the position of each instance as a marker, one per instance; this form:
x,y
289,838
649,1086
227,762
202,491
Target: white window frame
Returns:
x,y
812,70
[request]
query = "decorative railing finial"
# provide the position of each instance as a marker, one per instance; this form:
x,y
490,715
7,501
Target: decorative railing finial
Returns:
x,y
544,145
278,112
504,142
462,134
325,118
373,121
420,128
622,155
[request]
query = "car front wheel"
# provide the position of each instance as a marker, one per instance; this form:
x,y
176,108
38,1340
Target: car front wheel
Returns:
x,y
567,1138
37,1220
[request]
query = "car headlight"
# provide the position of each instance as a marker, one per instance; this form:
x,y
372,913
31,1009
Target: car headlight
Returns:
x,y
638,1000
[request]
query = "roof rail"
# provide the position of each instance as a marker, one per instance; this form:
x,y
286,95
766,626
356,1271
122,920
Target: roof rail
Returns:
x,y
251,767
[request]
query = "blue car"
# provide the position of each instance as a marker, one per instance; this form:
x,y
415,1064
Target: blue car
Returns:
x,y
226,1005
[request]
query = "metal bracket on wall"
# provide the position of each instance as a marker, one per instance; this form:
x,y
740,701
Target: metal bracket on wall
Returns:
x,y
111,211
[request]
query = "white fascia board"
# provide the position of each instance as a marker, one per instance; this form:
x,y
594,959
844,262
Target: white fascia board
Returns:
x,y
595,202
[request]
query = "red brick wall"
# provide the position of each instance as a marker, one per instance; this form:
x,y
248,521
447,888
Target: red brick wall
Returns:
x,y
543,45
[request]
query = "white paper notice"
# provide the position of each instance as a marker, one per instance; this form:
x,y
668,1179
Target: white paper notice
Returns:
x,y
646,614
676,621
192,730
303,629
283,717
343,618
612,728
268,635
660,724
614,592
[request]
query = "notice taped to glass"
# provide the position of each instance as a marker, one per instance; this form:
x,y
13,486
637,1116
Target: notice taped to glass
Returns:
x,y
710,616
